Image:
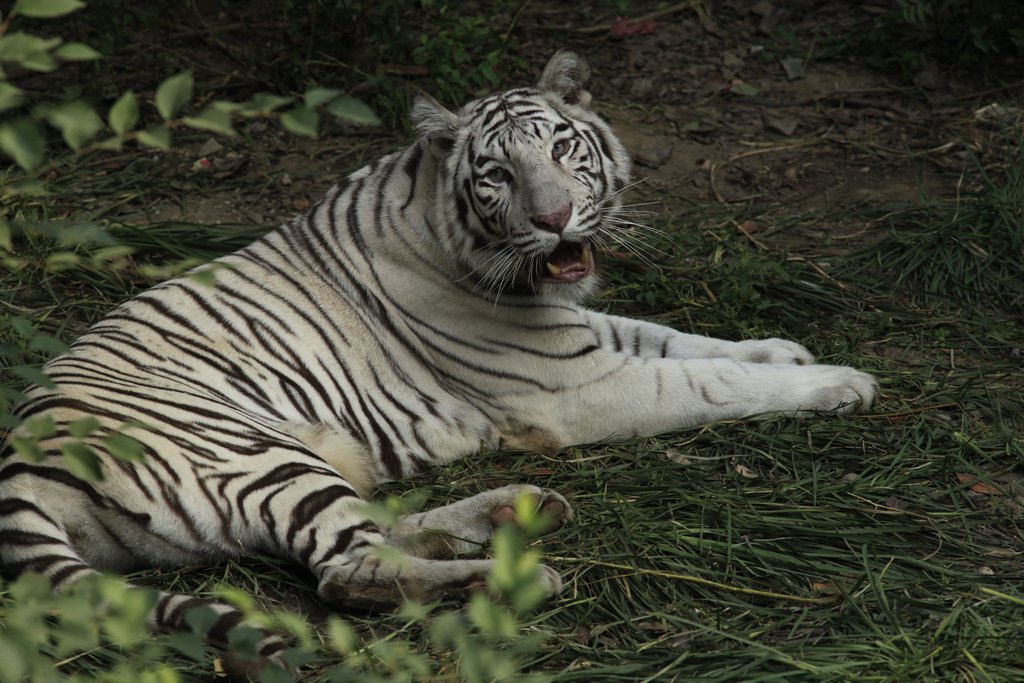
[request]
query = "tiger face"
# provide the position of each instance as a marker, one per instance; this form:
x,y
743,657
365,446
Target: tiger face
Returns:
x,y
530,178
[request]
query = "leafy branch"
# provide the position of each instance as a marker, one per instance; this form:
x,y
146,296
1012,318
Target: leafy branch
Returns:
x,y
23,138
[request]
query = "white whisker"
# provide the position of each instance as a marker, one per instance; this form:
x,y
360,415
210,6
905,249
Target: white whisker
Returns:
x,y
632,237
650,203
618,192
496,267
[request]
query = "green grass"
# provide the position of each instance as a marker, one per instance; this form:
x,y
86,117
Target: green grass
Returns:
x,y
829,549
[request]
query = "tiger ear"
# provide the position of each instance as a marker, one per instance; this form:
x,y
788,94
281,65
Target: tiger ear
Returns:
x,y
434,123
567,75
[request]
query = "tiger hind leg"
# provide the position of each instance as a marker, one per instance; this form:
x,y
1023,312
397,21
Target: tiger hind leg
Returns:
x,y
386,576
413,560
465,526
33,540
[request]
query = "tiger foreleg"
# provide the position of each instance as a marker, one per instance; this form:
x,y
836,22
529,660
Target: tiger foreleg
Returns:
x,y
650,340
641,397
465,527
384,575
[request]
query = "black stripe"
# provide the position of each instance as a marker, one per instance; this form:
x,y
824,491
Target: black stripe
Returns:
x,y
312,505
411,168
282,473
15,537
344,540
59,577
65,478
541,353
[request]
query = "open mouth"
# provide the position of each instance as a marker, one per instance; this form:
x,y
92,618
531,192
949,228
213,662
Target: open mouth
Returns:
x,y
569,262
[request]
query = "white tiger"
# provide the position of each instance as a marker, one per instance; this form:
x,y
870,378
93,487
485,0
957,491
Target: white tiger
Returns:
x,y
424,309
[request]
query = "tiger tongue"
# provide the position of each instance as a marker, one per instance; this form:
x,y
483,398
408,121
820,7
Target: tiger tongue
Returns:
x,y
569,262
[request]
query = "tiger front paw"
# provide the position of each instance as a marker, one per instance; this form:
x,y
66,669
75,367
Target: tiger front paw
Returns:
x,y
772,351
839,390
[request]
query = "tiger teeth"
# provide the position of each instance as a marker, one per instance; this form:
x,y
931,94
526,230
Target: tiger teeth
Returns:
x,y
585,256
553,269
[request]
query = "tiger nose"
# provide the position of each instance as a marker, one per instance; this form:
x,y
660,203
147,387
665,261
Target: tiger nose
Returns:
x,y
553,222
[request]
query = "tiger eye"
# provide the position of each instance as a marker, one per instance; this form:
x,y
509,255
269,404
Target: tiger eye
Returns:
x,y
498,175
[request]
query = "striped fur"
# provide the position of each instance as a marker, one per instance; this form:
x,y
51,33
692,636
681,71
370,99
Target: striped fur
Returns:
x,y
424,310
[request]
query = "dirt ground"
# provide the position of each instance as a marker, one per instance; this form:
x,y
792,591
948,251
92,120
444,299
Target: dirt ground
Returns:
x,y
737,107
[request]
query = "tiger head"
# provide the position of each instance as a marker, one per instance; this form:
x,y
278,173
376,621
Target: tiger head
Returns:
x,y
530,181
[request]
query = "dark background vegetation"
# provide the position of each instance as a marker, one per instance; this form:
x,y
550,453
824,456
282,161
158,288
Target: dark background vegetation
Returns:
x,y
845,174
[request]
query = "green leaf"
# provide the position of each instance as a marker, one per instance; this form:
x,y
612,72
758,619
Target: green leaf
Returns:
x,y
76,121
124,447
47,344
131,606
30,587
6,243
76,52
9,397
213,119
112,144
41,427
296,659
353,110
16,46
173,94
32,375
10,96
317,96
112,258
62,260
13,353
446,629
413,610
77,629
227,107
243,641
492,619
264,102
46,9
237,598
124,114
274,673
207,274
201,619
15,658
188,644
23,141
293,624
301,121
83,427
489,74
38,61
156,136
82,461
27,448
22,326
82,233
341,636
